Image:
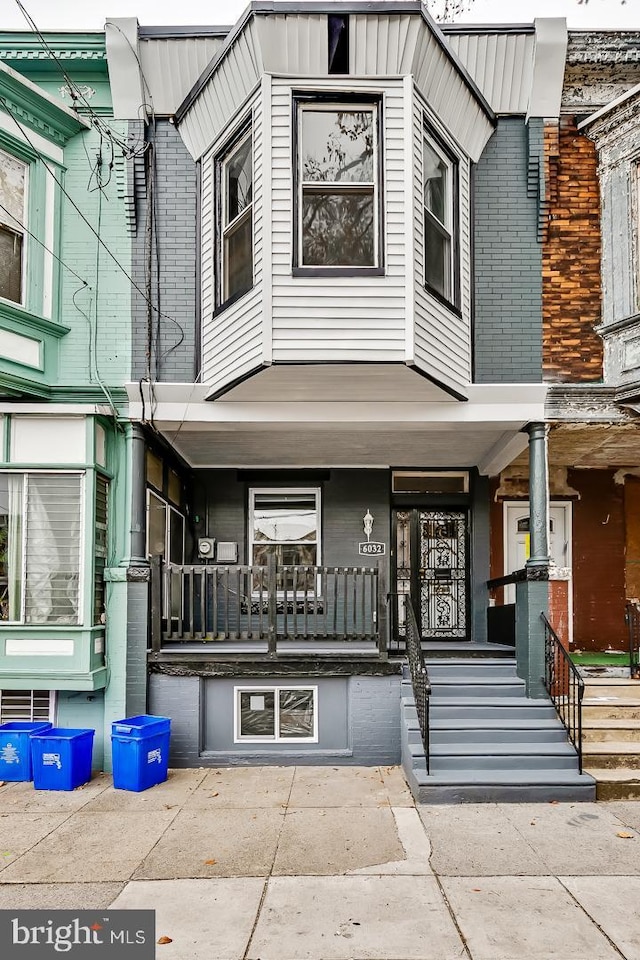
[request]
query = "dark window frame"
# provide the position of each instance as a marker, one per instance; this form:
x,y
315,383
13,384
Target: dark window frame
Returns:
x,y
221,230
338,98
451,300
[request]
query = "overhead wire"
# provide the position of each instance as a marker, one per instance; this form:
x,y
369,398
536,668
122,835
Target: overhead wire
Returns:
x,y
45,247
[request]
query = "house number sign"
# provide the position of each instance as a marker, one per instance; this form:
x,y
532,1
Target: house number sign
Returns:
x,y
370,548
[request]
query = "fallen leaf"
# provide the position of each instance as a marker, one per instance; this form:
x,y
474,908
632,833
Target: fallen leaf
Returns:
x,y
211,861
216,794
625,836
533,823
165,940
476,890
554,801
170,806
2,782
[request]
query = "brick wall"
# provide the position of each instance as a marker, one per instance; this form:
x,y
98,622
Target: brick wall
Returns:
x,y
507,258
572,350
174,334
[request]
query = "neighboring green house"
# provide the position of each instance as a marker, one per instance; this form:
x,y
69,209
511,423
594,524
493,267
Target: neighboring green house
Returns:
x,y
65,351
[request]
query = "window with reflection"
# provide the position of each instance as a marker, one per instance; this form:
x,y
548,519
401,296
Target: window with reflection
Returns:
x,y
439,185
338,185
236,177
13,195
285,524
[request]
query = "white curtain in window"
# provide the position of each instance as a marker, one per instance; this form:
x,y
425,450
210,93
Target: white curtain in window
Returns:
x,y
53,548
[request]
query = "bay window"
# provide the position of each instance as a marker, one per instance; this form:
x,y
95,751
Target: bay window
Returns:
x,y
236,184
338,185
13,198
40,547
440,186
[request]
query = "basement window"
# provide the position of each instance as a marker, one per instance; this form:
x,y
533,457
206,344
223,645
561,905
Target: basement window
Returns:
x,y
27,705
276,714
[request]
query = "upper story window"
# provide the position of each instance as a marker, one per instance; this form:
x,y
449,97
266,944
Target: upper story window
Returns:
x,y
338,186
236,181
13,198
440,185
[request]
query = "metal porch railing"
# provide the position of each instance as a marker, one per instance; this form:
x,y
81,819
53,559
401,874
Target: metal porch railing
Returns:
x,y
419,674
564,685
632,616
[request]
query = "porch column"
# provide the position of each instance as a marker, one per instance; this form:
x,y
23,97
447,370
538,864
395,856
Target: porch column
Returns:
x,y
138,503
532,593
538,496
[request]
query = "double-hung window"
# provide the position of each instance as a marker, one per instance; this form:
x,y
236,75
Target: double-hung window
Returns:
x,y
13,200
440,179
236,187
338,185
40,547
285,524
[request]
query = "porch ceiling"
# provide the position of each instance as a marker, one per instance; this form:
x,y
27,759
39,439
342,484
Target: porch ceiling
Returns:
x,y
485,431
592,446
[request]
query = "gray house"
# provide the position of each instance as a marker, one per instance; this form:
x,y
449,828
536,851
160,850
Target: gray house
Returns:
x,y
341,220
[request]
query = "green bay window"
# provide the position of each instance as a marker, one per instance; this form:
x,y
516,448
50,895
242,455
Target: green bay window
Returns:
x,y
40,547
338,185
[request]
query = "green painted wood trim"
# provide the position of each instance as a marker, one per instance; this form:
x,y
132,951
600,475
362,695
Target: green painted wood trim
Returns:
x,y
15,318
13,385
25,45
37,109
91,680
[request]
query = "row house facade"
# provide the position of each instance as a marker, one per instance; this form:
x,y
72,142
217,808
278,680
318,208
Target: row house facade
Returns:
x,y
377,346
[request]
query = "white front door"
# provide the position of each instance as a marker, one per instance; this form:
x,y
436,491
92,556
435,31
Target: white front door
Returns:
x,y
517,540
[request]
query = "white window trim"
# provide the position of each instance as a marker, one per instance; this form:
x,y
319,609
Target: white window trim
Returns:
x,y
448,227
275,689
341,185
83,554
284,490
25,236
226,229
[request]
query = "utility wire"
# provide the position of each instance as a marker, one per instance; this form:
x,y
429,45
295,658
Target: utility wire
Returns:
x,y
44,246
95,233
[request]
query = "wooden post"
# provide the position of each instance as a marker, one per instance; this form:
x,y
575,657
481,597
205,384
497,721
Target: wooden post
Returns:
x,y
383,610
272,595
156,604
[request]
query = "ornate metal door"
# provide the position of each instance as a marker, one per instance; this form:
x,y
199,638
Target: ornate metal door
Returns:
x,y
443,573
431,563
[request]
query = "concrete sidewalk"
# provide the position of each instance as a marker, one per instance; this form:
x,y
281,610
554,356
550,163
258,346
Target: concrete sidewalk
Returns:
x,y
326,863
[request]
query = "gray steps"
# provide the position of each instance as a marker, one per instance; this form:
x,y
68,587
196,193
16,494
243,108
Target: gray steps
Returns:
x,y
489,742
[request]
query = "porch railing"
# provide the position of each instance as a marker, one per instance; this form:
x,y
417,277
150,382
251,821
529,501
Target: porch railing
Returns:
x,y
564,685
419,674
211,602
632,616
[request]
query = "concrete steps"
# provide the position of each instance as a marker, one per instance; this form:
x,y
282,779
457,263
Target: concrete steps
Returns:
x,y
489,742
611,736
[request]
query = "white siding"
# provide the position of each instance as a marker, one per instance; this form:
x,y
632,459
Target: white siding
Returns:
x,y
383,45
232,343
171,66
235,77
293,43
442,340
501,64
338,318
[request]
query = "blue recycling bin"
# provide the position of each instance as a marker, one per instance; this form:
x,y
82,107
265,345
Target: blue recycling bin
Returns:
x,y
61,758
15,748
140,752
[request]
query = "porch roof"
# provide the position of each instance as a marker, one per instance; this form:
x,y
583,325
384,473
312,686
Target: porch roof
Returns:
x,y
484,432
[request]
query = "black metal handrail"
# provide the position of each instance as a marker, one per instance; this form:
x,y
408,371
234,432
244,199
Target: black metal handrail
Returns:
x,y
564,685
419,675
632,616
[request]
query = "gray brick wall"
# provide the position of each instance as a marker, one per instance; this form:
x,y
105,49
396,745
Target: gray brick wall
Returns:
x,y
173,353
137,622
507,259
358,717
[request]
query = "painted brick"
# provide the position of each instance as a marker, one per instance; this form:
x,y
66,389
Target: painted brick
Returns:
x,y
507,261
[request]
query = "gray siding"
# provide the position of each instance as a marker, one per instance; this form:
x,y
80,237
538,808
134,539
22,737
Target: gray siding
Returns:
x,y
137,640
179,699
173,352
508,261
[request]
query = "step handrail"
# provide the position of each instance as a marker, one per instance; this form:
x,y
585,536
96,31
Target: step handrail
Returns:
x,y
632,618
564,685
419,675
